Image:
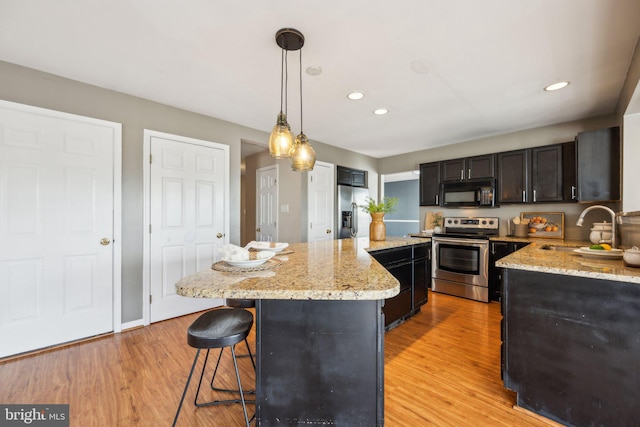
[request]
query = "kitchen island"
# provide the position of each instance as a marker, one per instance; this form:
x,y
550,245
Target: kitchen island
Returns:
x,y
319,330
571,335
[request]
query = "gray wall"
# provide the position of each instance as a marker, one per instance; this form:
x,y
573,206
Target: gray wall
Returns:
x,y
408,208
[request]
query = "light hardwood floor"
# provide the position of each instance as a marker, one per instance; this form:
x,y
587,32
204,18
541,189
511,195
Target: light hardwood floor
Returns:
x,y
442,368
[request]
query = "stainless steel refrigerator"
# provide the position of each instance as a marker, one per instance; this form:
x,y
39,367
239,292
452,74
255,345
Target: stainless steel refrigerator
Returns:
x,y
352,221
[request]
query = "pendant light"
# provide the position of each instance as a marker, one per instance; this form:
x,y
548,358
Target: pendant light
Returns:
x,y
302,156
281,139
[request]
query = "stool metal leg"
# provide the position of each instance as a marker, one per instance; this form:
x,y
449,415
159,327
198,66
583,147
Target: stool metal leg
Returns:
x,y
215,371
184,393
235,364
214,402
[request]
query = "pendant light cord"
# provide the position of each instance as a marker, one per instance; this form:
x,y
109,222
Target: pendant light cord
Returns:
x,y
286,82
281,78
301,91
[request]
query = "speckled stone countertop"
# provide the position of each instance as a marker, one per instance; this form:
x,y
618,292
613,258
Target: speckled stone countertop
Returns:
x,y
326,270
533,258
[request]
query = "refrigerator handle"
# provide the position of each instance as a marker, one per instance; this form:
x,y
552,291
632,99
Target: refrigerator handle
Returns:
x,y
354,219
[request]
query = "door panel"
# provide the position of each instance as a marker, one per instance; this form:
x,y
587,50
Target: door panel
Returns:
x,y
267,204
320,204
187,215
57,204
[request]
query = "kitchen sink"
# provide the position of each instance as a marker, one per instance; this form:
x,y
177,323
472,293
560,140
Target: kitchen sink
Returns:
x,y
559,248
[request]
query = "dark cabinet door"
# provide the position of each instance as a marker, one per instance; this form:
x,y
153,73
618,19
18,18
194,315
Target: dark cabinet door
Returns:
x,y
497,250
344,176
476,167
569,172
421,274
481,167
453,170
358,178
513,178
546,174
430,184
399,306
598,164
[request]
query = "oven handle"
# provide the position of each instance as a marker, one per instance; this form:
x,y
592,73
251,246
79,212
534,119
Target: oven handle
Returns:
x,y
459,240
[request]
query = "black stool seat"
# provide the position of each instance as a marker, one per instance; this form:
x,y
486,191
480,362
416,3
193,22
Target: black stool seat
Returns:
x,y
218,328
240,303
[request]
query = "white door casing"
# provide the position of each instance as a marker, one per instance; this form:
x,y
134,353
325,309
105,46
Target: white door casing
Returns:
x,y
60,193
267,204
187,210
321,195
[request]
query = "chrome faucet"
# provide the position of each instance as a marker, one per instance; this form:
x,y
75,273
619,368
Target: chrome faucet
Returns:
x,y
613,221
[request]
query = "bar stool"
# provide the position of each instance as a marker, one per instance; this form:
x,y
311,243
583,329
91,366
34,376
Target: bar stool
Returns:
x,y
219,328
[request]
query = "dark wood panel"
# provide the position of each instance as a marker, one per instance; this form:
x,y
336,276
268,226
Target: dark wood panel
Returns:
x,y
320,363
571,347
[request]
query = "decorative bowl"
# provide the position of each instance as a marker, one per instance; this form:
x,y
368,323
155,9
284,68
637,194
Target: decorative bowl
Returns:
x,y
631,257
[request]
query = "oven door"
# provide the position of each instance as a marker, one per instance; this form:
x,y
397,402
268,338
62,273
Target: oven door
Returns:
x,y
461,260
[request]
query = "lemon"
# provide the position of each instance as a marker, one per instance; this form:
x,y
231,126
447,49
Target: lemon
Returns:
x,y
605,246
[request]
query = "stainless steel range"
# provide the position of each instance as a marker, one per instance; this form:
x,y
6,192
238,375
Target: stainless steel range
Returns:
x,y
461,257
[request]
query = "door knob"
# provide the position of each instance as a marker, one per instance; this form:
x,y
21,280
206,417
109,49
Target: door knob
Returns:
x,y
258,229
219,235
104,241
328,231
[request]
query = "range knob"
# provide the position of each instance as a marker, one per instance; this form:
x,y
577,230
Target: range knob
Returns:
x,y
491,222
484,222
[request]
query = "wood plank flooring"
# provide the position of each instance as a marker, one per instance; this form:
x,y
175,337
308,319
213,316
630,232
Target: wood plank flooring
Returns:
x,y
442,368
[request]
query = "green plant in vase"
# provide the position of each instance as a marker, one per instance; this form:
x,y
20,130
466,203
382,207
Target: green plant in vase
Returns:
x,y
387,205
377,228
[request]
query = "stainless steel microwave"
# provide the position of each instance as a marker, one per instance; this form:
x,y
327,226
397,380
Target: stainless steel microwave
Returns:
x,y
468,194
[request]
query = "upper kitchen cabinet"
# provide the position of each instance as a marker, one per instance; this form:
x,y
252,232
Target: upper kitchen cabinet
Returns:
x,y
513,176
430,184
352,177
532,175
546,174
598,165
468,168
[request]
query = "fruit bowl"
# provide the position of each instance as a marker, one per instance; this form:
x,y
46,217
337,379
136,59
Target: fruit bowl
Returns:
x,y
537,226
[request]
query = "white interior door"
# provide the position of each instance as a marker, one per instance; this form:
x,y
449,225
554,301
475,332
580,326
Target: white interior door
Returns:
x,y
188,186
267,204
57,207
321,194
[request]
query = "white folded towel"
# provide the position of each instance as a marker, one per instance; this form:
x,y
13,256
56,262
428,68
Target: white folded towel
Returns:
x,y
234,253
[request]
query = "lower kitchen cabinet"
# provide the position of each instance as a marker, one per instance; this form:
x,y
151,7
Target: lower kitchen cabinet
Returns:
x,y
499,249
411,265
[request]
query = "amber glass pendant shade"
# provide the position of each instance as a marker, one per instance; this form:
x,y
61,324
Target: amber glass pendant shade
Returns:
x,y
302,156
281,139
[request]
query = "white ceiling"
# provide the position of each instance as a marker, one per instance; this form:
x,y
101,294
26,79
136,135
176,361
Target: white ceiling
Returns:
x,y
480,66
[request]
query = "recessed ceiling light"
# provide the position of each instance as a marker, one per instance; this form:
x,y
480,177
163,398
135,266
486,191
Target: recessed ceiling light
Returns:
x,y
314,70
380,111
355,95
556,86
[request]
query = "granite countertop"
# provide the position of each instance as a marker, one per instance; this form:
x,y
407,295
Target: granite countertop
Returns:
x,y
533,258
325,270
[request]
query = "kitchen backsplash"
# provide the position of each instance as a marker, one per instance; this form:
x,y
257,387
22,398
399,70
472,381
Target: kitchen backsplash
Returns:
x,y
571,213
